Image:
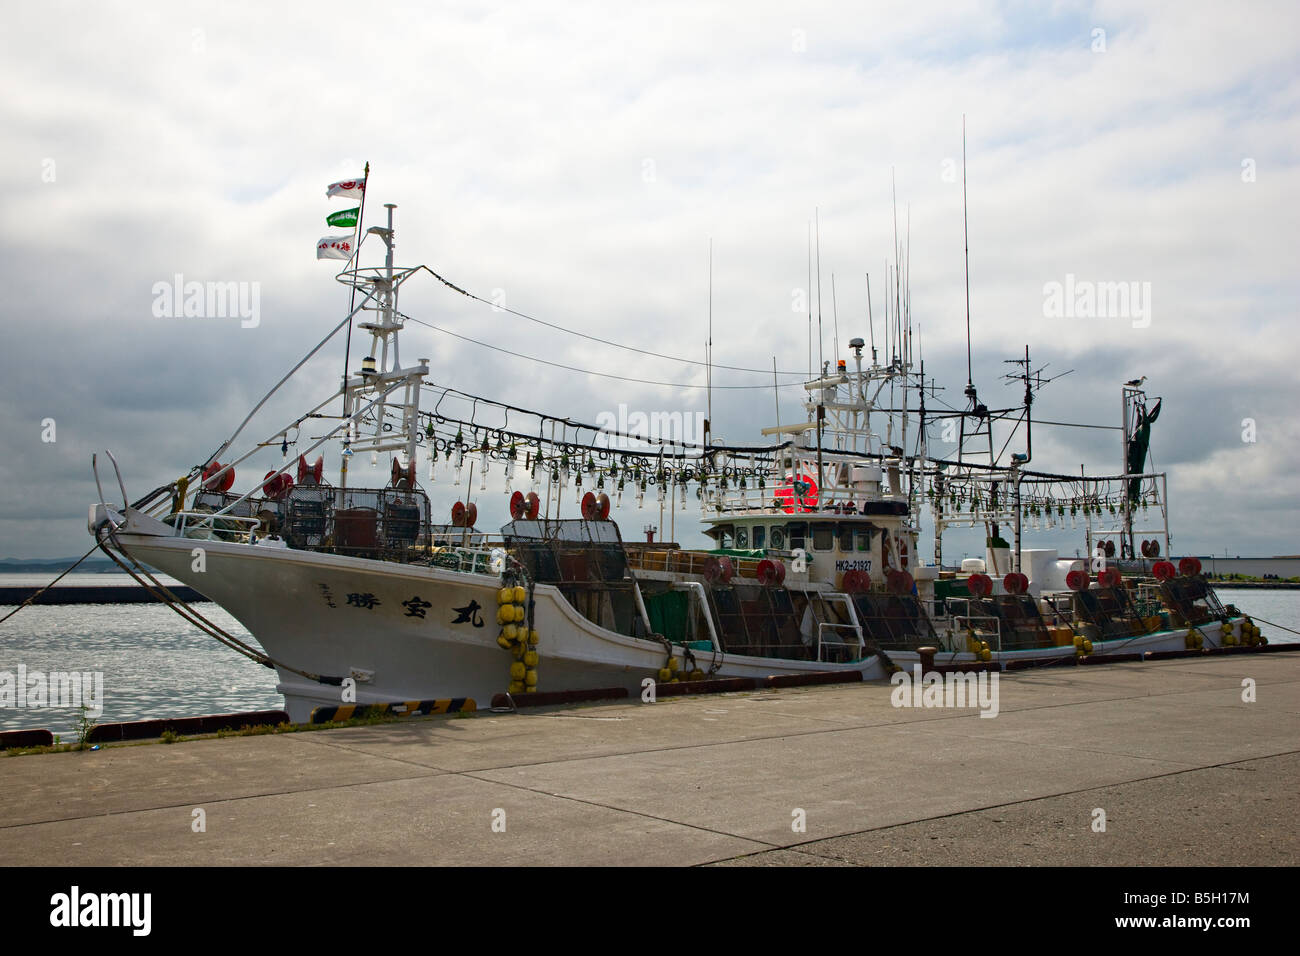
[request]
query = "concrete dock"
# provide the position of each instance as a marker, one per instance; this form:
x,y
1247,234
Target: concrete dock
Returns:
x,y
1185,770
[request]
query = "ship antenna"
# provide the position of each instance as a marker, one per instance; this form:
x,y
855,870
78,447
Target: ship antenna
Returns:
x,y
835,317
821,362
708,354
965,230
871,322
810,300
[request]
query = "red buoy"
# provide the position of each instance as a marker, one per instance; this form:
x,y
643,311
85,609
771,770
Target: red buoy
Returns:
x,y
534,506
517,505
589,509
602,506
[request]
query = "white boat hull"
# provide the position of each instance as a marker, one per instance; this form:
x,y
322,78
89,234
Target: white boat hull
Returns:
x,y
411,632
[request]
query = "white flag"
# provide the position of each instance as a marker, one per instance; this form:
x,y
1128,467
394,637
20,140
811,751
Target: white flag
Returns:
x,y
335,247
348,189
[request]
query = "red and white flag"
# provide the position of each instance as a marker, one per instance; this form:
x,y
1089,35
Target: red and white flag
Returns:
x,y
335,247
348,189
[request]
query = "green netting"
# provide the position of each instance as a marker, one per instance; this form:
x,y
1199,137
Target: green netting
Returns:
x,y
667,613
751,554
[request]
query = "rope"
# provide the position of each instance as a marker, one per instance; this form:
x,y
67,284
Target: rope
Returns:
x,y
32,599
166,596
594,338
1254,617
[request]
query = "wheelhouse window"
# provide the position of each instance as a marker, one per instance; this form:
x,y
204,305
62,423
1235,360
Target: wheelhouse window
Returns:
x,y
760,535
742,537
864,539
846,537
823,536
798,532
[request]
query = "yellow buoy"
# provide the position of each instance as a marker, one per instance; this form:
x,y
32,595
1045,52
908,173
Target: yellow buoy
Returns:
x,y
533,637
505,595
510,632
697,674
501,639
530,658
520,594
519,612
516,686
517,670
518,650
505,614
665,674
530,677
672,664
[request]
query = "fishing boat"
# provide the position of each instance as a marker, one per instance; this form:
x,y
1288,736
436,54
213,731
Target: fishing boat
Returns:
x,y
359,593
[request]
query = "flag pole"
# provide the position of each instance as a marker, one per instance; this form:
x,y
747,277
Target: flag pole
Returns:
x,y
347,350
356,253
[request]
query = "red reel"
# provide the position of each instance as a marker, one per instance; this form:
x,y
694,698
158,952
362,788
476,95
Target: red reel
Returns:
x,y
1077,580
534,506
770,573
589,508
1189,567
458,514
980,585
602,506
517,505
1163,570
900,582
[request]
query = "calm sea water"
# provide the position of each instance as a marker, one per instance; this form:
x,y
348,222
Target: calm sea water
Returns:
x,y
156,665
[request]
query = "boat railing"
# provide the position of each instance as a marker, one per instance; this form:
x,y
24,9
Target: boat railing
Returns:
x,y
468,560
846,643
206,526
981,626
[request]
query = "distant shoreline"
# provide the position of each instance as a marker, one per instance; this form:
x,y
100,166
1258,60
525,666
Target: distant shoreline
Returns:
x,y
1256,585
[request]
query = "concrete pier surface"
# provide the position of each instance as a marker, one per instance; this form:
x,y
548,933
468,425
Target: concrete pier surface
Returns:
x,y
1185,770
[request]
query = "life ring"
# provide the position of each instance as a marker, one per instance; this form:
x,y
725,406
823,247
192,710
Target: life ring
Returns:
x,y
800,492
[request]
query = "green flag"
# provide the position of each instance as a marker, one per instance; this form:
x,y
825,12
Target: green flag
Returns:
x,y
344,217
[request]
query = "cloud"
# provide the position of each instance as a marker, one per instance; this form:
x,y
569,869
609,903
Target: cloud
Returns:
x,y
580,160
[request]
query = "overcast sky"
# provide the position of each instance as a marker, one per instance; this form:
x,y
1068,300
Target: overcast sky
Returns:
x,y
578,161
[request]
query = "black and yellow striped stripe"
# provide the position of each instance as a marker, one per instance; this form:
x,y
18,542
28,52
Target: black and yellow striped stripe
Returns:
x,y
402,708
